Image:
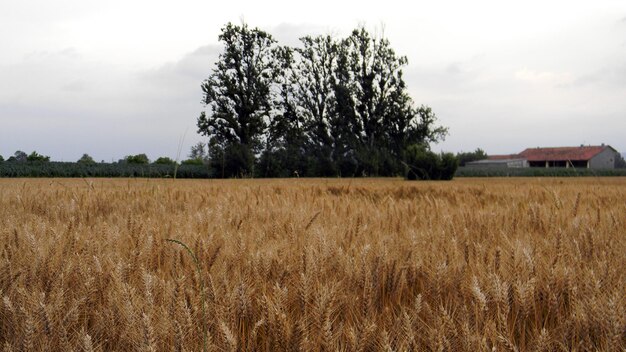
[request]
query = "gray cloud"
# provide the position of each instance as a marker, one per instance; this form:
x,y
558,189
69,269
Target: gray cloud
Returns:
x,y
193,67
75,86
453,68
63,103
65,53
613,77
490,107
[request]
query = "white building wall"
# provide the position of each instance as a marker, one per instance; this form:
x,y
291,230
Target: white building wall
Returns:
x,y
604,160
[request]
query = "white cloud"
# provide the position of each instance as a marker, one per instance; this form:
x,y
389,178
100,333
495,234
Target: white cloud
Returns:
x,y
544,77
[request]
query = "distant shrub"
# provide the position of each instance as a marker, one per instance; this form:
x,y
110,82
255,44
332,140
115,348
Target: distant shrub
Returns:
x,y
18,157
465,157
193,162
36,157
141,159
164,161
423,164
448,165
86,160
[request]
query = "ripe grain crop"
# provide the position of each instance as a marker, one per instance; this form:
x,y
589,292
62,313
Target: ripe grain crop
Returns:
x,y
313,265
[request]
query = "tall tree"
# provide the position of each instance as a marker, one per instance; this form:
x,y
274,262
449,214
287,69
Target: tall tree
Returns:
x,y
385,121
330,107
239,97
284,149
198,152
317,99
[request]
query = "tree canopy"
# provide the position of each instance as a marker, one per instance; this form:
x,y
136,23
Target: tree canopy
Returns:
x,y
164,160
86,159
466,157
36,157
19,157
329,107
141,159
238,94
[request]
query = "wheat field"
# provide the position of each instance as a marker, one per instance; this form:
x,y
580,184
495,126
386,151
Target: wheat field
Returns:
x,y
313,265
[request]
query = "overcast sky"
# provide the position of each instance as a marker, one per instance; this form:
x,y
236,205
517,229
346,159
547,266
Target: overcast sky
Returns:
x,y
112,78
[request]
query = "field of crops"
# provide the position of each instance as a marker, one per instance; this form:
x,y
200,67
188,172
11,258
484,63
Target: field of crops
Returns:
x,y
66,169
474,264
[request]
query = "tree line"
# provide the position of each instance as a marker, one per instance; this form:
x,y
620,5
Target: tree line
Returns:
x,y
197,165
37,165
196,157
329,107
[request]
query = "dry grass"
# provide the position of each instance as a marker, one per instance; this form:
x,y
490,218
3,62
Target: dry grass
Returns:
x,y
312,265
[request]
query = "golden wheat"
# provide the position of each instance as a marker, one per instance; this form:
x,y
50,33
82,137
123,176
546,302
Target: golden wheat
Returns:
x,y
313,265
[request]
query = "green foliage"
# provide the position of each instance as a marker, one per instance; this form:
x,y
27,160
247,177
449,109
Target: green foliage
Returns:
x,y
68,169
325,135
36,157
1,159
141,159
284,153
332,107
198,152
18,157
197,155
466,157
164,161
448,164
423,164
86,159
192,162
238,161
238,95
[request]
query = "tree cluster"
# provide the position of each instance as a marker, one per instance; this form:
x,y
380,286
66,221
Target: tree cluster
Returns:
x,y
21,157
197,156
140,159
423,164
330,107
466,157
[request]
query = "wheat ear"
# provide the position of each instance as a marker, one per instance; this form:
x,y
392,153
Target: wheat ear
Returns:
x,y
202,300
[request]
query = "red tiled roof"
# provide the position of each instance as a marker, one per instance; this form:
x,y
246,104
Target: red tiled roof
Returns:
x,y
503,157
561,153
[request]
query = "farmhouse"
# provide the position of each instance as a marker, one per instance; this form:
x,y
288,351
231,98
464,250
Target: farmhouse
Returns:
x,y
586,157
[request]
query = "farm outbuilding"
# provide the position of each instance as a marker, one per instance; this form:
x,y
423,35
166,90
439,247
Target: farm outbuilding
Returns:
x,y
496,162
585,157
